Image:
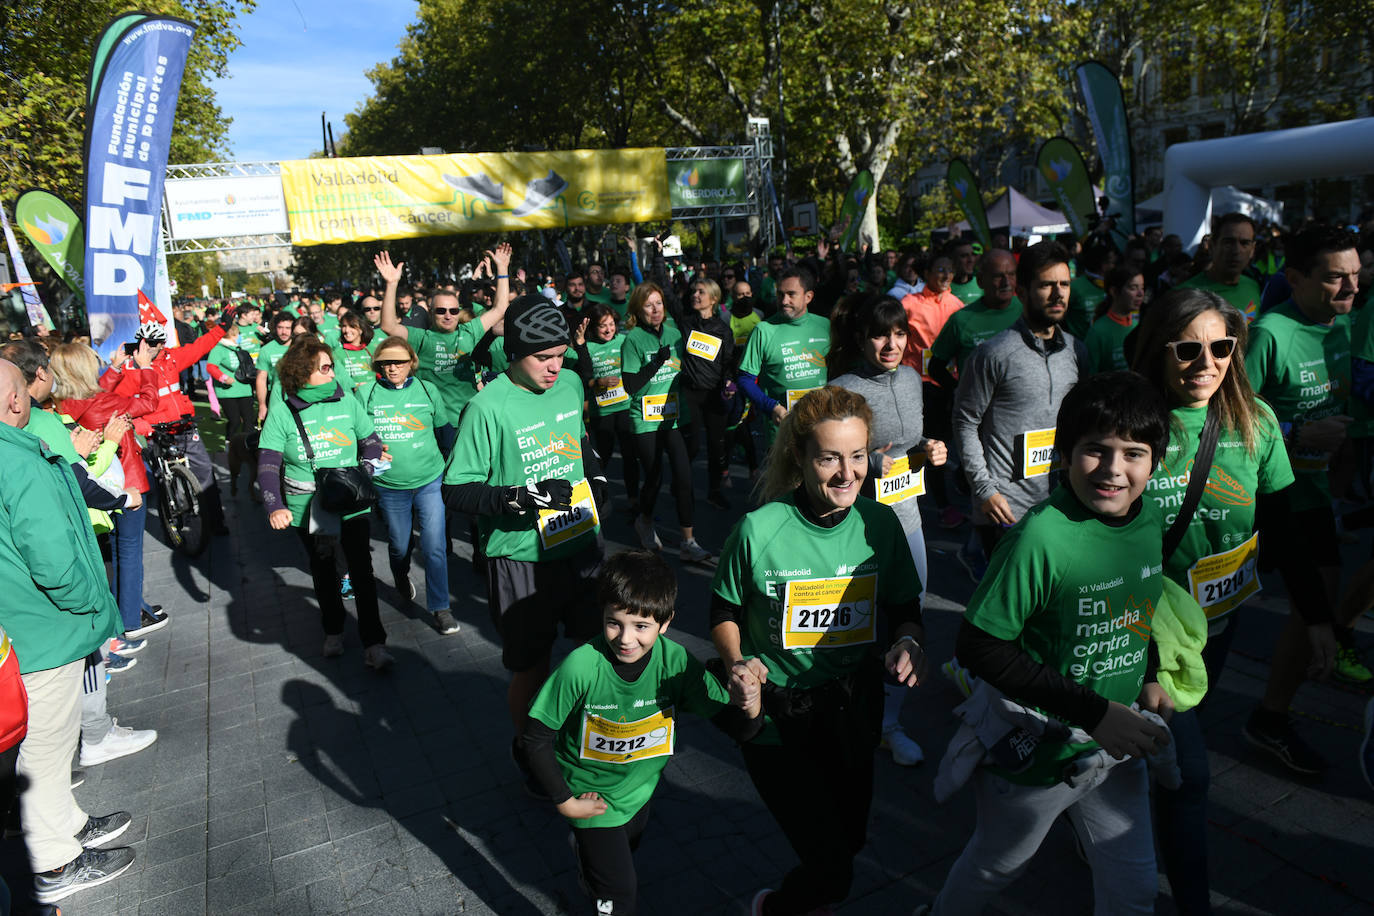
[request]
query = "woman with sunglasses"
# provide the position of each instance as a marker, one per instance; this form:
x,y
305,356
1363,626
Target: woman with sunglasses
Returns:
x,y
405,413
353,352
340,435
1191,346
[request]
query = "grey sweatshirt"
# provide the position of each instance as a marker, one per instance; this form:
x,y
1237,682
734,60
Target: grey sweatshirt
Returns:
x,y
895,399
1013,385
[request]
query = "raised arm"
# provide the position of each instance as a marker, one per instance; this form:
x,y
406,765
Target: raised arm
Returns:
x,y
500,256
391,273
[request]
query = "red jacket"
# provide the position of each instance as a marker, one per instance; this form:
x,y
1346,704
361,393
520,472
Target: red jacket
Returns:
x,y
14,699
95,412
173,403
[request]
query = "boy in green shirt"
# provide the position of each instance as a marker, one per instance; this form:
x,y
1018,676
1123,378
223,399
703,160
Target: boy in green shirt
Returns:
x,y
1061,623
604,725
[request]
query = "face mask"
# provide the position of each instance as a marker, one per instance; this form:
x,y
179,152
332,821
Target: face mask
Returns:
x,y
742,306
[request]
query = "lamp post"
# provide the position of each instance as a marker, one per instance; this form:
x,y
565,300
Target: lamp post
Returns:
x,y
220,281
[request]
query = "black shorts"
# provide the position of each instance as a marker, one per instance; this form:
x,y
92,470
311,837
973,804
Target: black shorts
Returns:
x,y
529,601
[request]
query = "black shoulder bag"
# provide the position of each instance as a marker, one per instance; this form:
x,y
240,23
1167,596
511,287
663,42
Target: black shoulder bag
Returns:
x,y
342,491
1197,481
247,372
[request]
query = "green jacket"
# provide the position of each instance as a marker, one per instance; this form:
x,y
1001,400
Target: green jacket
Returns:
x,y
58,606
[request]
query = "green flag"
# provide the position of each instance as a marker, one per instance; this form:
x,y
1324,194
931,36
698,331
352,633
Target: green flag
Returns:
x,y
113,32
1107,112
964,187
1061,165
53,228
852,213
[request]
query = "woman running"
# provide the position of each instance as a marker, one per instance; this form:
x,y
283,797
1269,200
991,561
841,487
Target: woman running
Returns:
x,y
708,357
797,600
597,343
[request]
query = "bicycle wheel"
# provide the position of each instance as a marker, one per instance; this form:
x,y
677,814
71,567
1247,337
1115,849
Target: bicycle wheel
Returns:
x,y
181,519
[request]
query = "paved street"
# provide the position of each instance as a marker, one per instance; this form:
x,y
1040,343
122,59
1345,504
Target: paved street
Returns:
x,y
286,783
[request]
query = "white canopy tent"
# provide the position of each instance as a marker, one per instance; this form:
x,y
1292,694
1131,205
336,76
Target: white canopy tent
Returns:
x,y
1228,199
1019,215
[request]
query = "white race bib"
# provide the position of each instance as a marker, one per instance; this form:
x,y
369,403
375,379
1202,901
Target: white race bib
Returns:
x,y
609,397
703,345
1037,452
901,483
557,527
626,742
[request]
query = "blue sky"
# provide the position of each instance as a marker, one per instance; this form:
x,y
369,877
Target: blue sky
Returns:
x,y
301,57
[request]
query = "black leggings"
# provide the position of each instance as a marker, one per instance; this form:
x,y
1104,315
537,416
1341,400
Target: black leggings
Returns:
x,y
650,447
938,417
357,549
240,418
706,411
607,430
605,856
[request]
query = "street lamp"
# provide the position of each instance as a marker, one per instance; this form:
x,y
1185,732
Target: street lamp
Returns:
x,y
220,281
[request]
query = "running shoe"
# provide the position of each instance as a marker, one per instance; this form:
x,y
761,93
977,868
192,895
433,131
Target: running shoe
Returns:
x,y
148,623
756,907
1349,667
493,192
102,831
118,742
333,645
406,586
377,658
125,646
974,565
539,192
92,868
115,663
905,752
78,778
959,675
346,588
692,552
648,537
951,517
1275,734
444,623
1367,746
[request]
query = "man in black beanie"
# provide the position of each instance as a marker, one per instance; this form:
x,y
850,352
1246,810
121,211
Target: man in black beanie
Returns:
x,y
523,465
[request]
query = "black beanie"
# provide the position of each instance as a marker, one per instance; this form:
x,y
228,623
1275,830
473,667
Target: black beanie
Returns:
x,y
533,323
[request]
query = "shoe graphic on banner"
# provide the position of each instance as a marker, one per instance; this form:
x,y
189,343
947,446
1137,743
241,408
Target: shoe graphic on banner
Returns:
x,y
539,192
478,186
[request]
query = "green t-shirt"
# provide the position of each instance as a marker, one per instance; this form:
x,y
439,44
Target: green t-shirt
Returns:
x,y
1084,294
329,329
1106,343
964,292
335,427
353,368
1078,596
268,357
660,399
405,419
605,358
225,356
788,355
445,362
604,296
1225,518
811,595
616,736
967,328
511,437
1245,295
1303,370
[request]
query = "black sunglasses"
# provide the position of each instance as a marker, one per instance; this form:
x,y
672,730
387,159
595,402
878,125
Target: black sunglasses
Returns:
x,y
1187,351
444,311
385,363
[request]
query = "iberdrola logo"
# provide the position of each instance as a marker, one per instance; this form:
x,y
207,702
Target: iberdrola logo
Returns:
x,y
46,231
961,188
1057,169
689,179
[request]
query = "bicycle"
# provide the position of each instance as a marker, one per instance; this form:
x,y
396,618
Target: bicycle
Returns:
x,y
178,490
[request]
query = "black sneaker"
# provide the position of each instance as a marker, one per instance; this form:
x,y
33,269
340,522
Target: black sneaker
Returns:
x,y
101,831
148,623
1275,734
92,868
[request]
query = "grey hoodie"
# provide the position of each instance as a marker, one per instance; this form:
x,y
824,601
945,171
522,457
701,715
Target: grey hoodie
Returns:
x,y
895,399
1013,384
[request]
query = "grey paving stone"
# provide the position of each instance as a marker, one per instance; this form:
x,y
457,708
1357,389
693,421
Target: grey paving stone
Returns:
x,y
298,835
305,867
237,826
238,855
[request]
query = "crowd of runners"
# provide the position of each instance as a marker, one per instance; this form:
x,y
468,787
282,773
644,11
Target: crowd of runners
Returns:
x,y
1124,440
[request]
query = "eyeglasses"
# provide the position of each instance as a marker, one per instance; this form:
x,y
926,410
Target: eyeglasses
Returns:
x,y
443,311
377,309
389,363
327,367
1187,351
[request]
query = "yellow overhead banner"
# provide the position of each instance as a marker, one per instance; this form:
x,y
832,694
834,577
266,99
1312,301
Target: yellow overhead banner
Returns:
x,y
329,201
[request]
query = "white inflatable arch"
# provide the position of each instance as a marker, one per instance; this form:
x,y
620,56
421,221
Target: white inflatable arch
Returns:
x,y
1191,170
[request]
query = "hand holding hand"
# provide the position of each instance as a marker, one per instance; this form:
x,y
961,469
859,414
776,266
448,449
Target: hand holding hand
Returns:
x,y
1157,700
1123,732
280,519
391,273
906,661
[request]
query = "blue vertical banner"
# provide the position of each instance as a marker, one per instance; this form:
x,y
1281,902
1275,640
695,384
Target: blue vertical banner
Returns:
x,y
128,131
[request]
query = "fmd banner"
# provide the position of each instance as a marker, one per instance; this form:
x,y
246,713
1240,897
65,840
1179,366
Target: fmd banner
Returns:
x,y
398,197
128,129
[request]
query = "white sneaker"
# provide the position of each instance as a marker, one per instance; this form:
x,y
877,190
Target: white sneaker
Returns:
x,y
692,552
905,752
333,645
118,742
648,537
377,658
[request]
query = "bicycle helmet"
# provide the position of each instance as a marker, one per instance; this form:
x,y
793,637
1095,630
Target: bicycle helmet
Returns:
x,y
152,332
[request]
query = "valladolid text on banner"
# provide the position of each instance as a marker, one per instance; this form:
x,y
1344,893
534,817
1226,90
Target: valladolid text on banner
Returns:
x,y
394,197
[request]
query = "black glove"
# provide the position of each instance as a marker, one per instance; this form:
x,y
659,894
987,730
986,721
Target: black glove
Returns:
x,y
662,355
227,318
601,493
554,494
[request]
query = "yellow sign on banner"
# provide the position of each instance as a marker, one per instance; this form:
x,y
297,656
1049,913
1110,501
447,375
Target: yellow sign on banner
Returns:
x,y
329,201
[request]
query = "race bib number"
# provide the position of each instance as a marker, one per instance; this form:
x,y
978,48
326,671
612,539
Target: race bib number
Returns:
x,y
925,362
830,613
609,397
1220,583
794,396
627,742
703,345
1037,452
557,527
660,407
902,483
